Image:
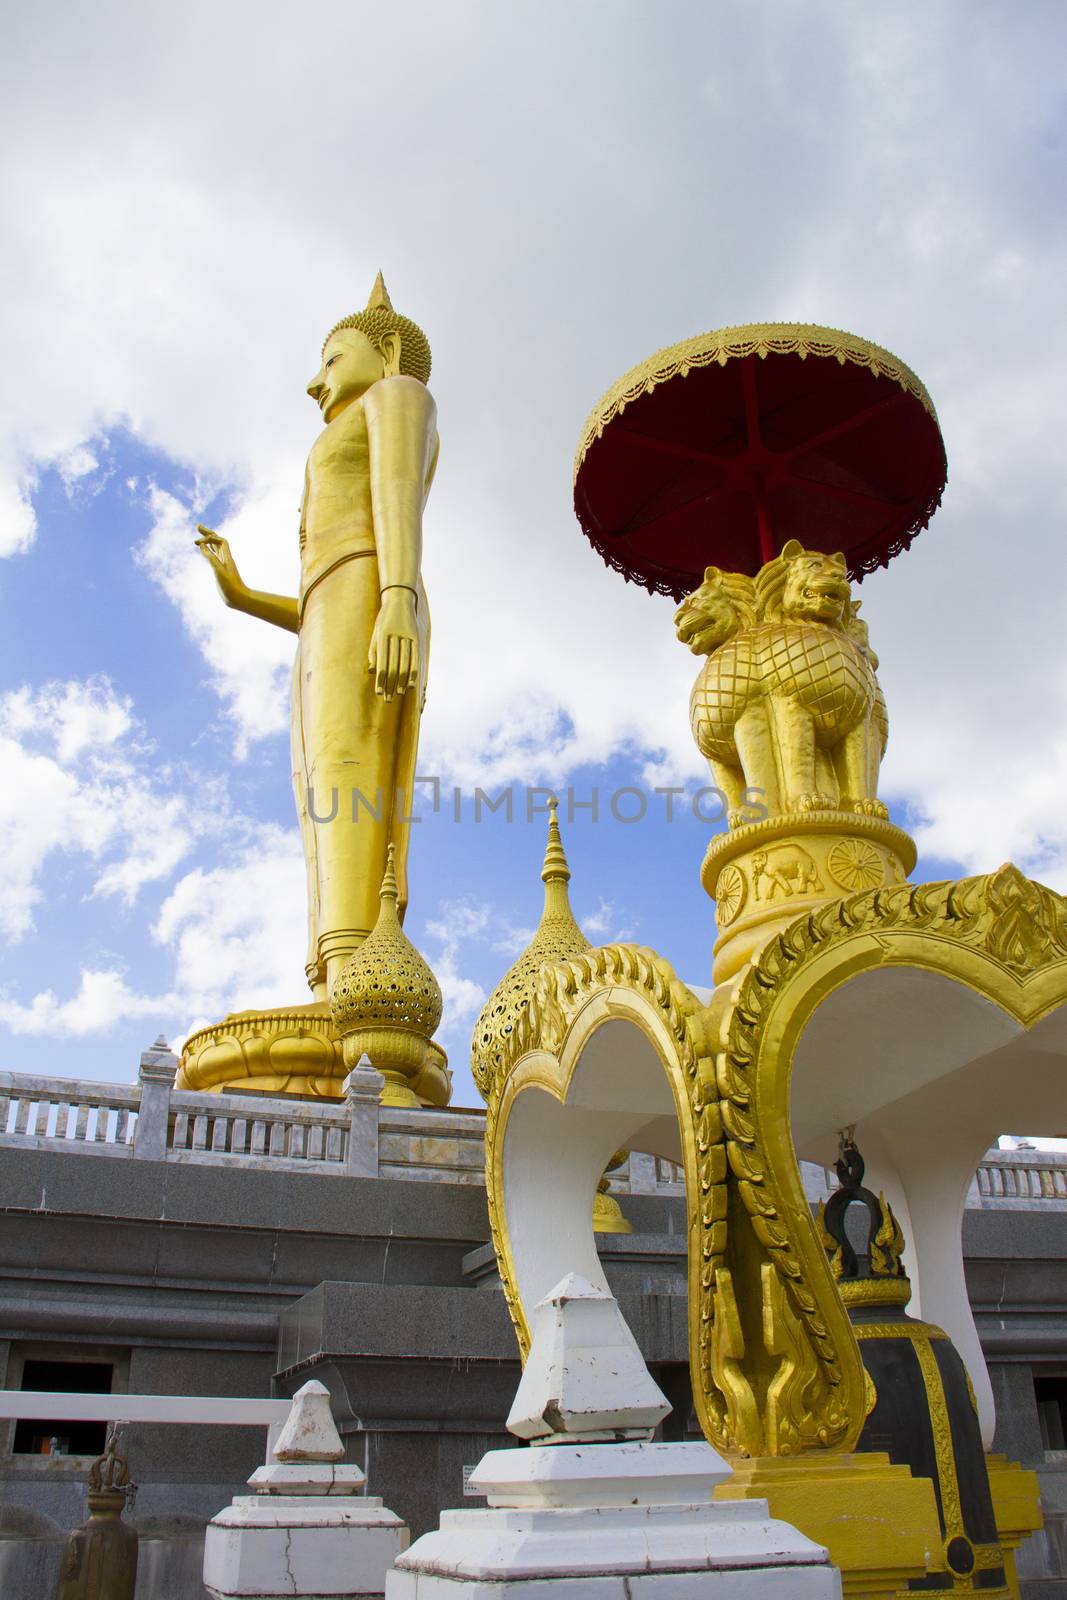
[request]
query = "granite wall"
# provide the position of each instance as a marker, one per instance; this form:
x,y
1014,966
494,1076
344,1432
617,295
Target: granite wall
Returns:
x,y
207,1280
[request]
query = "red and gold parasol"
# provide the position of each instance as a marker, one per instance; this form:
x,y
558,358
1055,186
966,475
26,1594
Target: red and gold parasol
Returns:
x,y
720,449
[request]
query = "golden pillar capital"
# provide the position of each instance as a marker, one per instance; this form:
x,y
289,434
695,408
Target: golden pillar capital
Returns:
x,y
763,875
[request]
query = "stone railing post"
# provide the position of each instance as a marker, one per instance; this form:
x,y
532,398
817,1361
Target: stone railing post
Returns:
x,y
363,1088
156,1076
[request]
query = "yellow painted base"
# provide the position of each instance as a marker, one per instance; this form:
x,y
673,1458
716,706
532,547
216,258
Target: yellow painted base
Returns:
x,y
398,1093
877,1521
608,1216
289,1050
1016,1507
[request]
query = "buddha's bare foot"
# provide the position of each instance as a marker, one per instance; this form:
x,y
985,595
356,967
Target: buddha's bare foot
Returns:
x,y
866,808
811,802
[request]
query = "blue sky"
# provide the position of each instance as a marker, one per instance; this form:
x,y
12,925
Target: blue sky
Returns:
x,y
113,632
553,192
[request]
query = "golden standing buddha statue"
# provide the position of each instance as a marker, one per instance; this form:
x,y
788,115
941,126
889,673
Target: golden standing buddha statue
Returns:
x,y
359,681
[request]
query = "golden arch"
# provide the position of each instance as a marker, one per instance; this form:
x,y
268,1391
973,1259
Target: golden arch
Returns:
x,y
776,1366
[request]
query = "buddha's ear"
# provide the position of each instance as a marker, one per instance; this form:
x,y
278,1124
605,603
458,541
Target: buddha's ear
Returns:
x,y
389,345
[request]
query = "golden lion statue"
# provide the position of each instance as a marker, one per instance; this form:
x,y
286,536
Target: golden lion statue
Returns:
x,y
787,701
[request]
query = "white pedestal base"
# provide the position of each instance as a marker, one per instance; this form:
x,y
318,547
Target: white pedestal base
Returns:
x,y
307,1532
611,1522
314,1547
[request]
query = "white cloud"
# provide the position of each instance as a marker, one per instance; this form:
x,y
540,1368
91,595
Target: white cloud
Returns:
x,y
238,933
511,942
73,716
75,785
606,925
1012,809
75,464
189,294
42,809
457,924
18,523
235,936
104,999
251,662
158,832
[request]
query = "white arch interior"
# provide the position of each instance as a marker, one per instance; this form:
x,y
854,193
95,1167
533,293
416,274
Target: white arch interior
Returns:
x,y
555,1154
931,1073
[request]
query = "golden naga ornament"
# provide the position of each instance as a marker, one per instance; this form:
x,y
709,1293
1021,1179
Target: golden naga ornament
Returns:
x,y
359,683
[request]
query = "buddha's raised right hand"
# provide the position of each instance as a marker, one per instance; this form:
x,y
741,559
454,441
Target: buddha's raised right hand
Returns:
x,y
216,551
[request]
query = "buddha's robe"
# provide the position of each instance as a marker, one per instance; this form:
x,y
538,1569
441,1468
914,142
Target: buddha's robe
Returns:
x,y
368,476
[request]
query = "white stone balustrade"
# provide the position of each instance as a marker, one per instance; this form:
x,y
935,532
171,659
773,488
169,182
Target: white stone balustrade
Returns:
x,y
151,1120
281,1133
1025,1179
47,1112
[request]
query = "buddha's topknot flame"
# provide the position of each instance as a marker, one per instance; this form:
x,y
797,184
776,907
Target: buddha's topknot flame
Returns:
x,y
378,319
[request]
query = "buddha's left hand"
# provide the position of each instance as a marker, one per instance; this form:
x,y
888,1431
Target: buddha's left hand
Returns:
x,y
394,647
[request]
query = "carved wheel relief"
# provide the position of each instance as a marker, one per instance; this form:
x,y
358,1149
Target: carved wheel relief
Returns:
x,y
855,865
729,894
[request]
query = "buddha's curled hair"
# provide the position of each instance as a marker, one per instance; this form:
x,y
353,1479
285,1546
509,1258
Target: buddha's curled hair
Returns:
x,y
414,345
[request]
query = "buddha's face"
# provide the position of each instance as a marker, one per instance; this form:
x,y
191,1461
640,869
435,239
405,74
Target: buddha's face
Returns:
x,y
350,364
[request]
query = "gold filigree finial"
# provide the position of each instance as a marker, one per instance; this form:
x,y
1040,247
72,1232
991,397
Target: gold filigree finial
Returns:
x,y
389,889
386,1002
379,296
558,938
555,869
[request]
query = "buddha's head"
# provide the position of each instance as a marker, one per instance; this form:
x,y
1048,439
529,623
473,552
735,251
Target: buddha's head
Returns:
x,y
370,344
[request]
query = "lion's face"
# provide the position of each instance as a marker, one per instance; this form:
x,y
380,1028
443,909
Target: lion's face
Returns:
x,y
817,589
706,618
